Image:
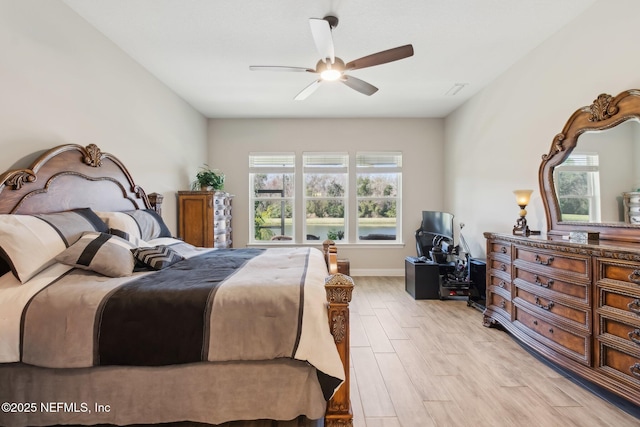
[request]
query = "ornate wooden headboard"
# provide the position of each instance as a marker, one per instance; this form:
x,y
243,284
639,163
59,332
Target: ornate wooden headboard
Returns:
x,y
69,177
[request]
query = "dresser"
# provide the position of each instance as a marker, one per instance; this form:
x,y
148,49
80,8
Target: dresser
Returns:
x,y
631,202
204,218
577,304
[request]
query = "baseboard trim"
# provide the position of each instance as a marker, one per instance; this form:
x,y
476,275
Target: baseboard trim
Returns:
x,y
377,272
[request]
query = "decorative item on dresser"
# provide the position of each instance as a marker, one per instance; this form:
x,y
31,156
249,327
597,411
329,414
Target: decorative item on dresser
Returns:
x,y
204,218
576,301
631,207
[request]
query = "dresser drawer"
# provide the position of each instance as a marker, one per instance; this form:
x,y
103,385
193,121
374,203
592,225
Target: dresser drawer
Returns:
x,y
499,303
555,262
222,212
221,225
620,271
629,333
570,344
222,237
499,282
619,302
576,316
619,363
499,265
222,201
499,248
577,291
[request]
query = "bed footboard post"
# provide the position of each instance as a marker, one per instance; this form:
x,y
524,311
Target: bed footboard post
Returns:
x,y
330,255
339,288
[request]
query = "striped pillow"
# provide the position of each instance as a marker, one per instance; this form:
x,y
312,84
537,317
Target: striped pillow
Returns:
x,y
143,224
100,252
29,243
157,257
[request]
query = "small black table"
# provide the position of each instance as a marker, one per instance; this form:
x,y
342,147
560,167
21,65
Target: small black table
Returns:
x,y
421,279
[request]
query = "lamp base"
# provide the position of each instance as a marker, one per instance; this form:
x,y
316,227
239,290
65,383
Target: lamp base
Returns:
x,y
522,229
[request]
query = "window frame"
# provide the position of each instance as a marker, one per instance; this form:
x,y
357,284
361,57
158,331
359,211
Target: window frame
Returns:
x,y
298,168
275,168
327,169
393,165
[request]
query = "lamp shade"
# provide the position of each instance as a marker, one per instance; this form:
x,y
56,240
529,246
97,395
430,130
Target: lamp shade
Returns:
x,y
523,197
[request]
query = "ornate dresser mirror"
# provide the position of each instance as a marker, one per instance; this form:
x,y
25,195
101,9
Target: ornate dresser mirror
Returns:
x,y
589,178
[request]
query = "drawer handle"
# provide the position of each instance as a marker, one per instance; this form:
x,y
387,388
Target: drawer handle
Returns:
x,y
635,336
503,267
635,276
544,307
541,262
501,284
634,306
635,369
551,330
535,322
503,250
502,304
544,285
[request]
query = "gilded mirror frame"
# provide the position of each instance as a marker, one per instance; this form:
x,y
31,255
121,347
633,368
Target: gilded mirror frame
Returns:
x,y
606,112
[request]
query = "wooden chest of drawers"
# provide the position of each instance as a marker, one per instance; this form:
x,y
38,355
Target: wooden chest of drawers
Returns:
x,y
204,218
578,304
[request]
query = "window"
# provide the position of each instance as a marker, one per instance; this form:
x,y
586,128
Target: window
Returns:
x,y
325,195
344,197
271,177
578,187
378,183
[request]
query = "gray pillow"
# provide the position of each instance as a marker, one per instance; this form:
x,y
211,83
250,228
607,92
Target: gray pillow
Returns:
x,y
157,257
100,252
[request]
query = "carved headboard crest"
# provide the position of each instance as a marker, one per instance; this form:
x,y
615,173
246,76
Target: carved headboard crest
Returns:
x,y
68,177
94,156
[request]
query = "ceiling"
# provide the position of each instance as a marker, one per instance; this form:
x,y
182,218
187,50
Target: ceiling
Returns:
x,y
202,50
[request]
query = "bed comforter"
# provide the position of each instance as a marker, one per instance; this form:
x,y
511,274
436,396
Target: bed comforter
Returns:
x,y
216,305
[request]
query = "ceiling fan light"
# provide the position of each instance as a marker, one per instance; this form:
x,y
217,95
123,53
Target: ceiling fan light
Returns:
x,y
331,74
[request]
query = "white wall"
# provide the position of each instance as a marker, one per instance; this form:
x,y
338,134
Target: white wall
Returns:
x,y
61,81
495,140
420,140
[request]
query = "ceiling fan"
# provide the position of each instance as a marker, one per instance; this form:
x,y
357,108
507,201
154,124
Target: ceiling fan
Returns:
x,y
332,68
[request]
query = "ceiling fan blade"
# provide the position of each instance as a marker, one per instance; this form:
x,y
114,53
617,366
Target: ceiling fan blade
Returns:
x,y
277,68
381,57
304,93
359,85
321,32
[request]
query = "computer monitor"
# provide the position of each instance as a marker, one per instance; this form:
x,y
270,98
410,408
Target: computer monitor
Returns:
x,y
440,223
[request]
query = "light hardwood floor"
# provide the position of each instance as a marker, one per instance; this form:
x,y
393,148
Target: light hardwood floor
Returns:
x,y
432,363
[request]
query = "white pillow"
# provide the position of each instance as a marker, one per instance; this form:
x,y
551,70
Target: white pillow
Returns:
x,y
29,243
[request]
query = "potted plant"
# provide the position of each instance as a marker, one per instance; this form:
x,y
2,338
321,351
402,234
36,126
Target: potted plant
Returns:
x,y
209,179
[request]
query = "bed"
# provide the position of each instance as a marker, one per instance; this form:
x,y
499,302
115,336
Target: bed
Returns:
x,y
107,319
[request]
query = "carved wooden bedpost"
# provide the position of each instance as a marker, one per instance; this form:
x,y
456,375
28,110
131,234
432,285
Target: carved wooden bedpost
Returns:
x,y
339,288
155,200
330,255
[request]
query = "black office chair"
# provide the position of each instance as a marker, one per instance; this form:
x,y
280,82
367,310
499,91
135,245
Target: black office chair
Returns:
x,y
434,238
